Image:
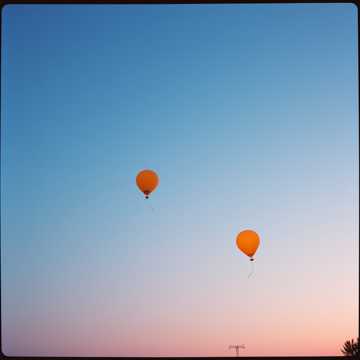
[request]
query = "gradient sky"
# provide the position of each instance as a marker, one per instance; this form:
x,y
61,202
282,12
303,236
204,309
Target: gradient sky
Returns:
x,y
249,114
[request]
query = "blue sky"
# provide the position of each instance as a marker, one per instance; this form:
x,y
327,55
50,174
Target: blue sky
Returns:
x,y
249,114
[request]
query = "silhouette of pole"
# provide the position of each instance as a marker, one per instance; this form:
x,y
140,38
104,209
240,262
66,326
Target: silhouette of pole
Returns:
x,y
236,347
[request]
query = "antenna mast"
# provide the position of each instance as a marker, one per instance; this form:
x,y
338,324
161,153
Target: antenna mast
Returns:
x,y
237,347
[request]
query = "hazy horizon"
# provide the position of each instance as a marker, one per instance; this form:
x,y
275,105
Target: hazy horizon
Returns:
x,y
249,115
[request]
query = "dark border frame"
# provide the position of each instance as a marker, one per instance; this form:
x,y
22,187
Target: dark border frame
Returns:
x,y
170,2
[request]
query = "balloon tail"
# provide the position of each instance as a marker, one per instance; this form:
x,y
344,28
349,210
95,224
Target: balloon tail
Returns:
x,y
151,207
252,268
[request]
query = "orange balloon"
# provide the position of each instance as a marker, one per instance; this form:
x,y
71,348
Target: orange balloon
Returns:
x,y
248,241
147,181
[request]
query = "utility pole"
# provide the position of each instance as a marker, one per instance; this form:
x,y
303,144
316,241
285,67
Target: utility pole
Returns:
x,y
237,347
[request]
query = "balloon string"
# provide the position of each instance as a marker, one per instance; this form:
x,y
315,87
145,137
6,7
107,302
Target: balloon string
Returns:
x,y
151,207
252,269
